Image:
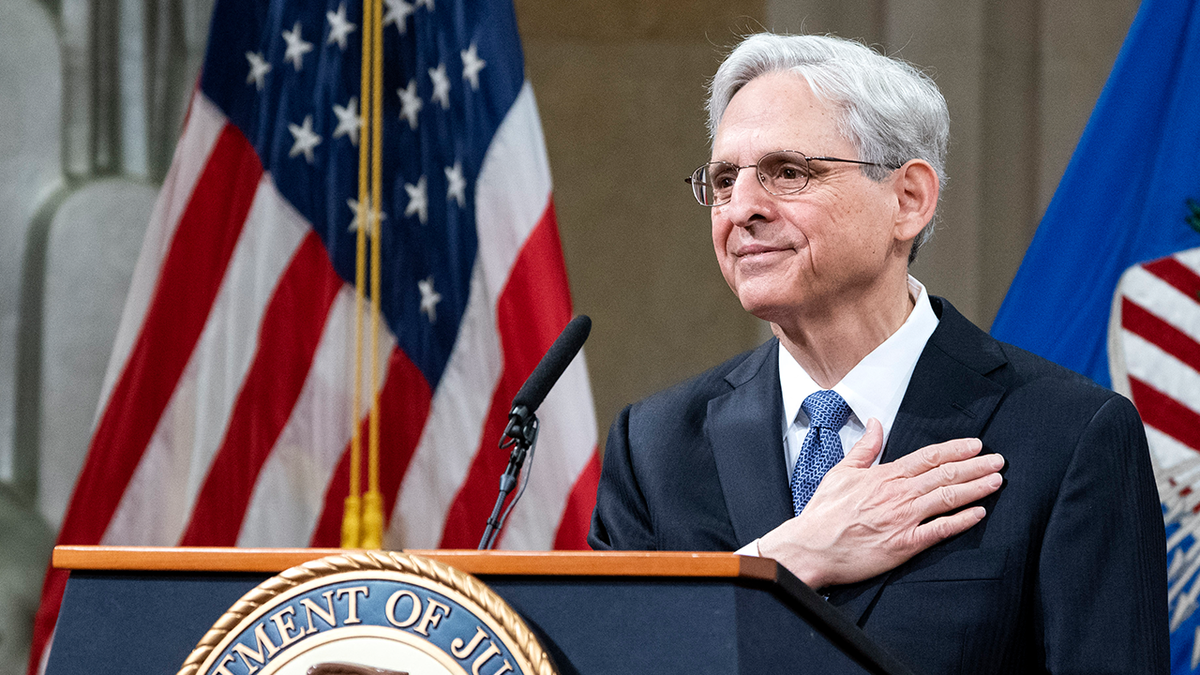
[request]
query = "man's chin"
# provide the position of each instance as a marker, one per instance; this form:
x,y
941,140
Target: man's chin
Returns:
x,y
771,312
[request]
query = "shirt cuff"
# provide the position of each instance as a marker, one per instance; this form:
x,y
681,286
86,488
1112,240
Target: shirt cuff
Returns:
x,y
750,549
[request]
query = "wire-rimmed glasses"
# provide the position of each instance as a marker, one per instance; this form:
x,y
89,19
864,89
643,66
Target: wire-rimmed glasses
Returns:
x,y
782,172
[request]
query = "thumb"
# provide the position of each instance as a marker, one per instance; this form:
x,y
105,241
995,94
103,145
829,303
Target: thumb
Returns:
x,y
864,452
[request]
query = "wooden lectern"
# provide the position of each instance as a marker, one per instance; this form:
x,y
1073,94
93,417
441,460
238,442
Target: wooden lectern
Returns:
x,y
142,610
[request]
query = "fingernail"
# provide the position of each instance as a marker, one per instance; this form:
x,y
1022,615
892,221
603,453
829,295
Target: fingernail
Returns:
x,y
996,462
995,480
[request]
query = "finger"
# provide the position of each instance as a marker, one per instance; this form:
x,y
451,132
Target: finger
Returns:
x,y
955,473
933,456
941,529
864,452
950,497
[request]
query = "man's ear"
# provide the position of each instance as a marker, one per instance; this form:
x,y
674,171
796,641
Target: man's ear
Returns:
x,y
916,185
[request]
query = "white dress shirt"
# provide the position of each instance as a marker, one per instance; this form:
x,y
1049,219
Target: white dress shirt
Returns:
x,y
873,388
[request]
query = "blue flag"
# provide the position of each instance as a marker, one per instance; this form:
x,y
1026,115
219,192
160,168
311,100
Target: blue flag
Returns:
x,y
1123,199
1110,286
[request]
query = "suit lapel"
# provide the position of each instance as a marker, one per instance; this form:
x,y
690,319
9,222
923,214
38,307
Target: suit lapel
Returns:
x,y
744,429
949,396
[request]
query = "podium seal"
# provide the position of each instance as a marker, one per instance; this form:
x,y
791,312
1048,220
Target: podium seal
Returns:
x,y
370,613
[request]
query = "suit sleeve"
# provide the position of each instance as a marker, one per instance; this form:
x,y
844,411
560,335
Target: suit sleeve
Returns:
x,y
1101,584
622,519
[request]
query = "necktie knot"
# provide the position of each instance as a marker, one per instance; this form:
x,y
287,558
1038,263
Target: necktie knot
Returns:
x,y
826,409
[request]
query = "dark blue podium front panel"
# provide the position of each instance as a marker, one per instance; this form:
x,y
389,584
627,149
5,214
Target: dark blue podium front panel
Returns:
x,y
147,623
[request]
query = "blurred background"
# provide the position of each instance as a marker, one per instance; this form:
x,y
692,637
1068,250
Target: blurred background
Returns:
x,y
92,94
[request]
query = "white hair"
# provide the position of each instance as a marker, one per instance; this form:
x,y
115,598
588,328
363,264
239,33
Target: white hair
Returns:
x,y
890,110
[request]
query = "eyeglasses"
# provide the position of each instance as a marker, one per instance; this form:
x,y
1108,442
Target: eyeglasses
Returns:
x,y
783,172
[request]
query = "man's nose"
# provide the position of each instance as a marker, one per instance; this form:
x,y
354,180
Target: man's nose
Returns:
x,y
749,200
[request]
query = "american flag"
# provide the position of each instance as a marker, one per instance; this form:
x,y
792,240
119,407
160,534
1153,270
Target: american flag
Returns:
x,y
225,414
1154,353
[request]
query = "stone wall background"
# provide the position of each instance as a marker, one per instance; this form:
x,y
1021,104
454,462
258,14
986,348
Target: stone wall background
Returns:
x,y
92,93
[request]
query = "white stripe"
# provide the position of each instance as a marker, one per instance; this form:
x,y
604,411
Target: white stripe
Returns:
x,y
1150,364
1189,258
1162,300
566,441
1169,454
204,126
511,194
193,426
289,496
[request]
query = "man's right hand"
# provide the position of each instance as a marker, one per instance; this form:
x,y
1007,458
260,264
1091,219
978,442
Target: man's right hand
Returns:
x,y
864,520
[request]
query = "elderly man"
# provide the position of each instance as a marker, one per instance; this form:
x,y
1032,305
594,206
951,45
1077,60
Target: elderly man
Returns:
x,y
827,163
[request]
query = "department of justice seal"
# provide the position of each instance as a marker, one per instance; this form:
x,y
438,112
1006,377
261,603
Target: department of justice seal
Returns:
x,y
370,613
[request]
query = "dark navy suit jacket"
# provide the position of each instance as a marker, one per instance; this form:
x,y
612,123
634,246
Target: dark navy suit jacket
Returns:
x,y
1066,574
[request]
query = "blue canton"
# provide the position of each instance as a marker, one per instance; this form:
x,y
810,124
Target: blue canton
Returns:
x,y
287,75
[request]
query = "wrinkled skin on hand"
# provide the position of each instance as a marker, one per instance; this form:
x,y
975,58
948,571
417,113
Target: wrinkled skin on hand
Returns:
x,y
864,520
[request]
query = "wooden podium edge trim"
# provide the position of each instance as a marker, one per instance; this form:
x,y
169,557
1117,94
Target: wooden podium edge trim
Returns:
x,y
485,563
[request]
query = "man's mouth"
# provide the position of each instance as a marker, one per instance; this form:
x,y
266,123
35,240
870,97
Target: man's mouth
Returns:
x,y
753,250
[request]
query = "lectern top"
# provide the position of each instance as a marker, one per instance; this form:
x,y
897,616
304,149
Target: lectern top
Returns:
x,y
552,563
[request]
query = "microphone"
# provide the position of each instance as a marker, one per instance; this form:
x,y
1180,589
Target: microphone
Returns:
x,y
549,369
521,433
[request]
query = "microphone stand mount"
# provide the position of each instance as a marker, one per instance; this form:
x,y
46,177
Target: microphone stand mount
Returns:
x,y
520,435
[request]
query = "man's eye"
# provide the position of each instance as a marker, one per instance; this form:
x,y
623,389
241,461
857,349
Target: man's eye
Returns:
x,y
723,179
790,172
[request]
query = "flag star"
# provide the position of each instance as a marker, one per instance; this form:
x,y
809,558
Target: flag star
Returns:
x,y
457,185
339,27
410,103
472,64
296,46
258,69
305,139
353,204
441,85
418,201
427,3
429,298
398,12
348,120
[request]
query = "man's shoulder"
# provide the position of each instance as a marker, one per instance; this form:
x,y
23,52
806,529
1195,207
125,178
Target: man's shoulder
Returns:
x,y
1037,382
1013,367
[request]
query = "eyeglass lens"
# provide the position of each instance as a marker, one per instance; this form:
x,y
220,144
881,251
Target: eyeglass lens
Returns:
x,y
780,173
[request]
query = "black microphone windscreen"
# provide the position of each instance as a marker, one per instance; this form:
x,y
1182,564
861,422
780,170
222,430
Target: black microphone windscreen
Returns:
x,y
552,365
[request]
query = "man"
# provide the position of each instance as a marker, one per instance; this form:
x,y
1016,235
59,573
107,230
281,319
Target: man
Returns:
x,y
827,163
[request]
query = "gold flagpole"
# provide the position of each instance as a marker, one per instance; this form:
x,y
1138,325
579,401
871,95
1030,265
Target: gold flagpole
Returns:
x,y
364,218
372,521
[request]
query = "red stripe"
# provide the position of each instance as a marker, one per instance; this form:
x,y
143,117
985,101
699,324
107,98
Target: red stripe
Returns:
x,y
403,408
1164,413
1177,274
291,331
190,278
577,517
1161,334
532,310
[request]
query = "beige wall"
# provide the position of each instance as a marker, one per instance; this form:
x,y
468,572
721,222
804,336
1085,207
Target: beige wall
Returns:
x,y
620,87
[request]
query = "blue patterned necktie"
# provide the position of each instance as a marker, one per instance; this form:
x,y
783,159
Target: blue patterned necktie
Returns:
x,y
822,448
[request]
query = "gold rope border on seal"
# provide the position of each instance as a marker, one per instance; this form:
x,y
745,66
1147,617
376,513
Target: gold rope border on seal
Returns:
x,y
474,589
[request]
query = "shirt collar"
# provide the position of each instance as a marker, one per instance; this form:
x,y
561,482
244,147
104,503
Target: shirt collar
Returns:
x,y
876,385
